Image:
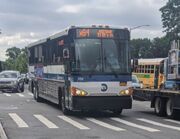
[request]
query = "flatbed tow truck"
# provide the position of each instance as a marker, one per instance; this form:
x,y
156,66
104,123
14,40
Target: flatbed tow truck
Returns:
x,y
165,101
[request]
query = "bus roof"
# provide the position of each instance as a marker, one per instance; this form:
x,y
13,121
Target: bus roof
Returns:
x,y
65,32
150,61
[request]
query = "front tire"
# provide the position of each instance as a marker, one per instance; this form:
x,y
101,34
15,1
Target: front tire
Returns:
x,y
160,106
63,107
22,88
36,94
171,113
117,112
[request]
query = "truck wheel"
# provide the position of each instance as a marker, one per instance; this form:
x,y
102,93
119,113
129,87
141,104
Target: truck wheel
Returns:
x,y
160,106
169,109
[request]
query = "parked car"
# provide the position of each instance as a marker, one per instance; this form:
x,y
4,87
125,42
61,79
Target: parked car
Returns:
x,y
11,81
136,83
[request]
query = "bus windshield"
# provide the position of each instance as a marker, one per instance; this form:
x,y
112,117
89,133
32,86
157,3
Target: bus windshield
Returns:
x,y
101,56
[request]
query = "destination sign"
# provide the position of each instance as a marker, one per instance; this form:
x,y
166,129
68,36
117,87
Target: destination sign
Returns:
x,y
98,33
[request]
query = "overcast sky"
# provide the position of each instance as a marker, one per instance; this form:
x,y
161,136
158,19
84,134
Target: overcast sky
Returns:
x,y
25,21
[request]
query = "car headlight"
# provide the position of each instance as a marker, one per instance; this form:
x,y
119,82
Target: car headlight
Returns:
x,y
77,92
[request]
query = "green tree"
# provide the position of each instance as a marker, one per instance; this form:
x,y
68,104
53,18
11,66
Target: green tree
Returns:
x,y
160,47
146,48
17,59
13,52
140,48
171,19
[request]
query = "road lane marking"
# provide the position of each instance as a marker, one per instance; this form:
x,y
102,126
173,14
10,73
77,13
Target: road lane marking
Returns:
x,y
98,122
159,124
30,94
6,94
172,121
135,125
74,123
45,121
18,120
21,95
2,132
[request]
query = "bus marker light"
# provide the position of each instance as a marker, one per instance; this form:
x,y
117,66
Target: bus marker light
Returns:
x,y
123,84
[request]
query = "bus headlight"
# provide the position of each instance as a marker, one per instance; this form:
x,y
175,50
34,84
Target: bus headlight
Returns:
x,y
128,91
78,92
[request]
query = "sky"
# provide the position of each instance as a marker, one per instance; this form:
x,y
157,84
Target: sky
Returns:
x,y
26,21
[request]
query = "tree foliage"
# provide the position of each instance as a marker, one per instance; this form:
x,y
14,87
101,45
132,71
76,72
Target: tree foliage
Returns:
x,y
146,48
13,52
17,59
171,19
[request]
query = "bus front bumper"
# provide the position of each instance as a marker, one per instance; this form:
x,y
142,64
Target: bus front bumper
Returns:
x,y
101,102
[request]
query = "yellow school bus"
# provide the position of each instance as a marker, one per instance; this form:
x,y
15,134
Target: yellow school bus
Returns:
x,y
150,72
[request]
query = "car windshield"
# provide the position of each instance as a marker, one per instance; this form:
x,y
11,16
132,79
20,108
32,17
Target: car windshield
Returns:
x,y
8,75
134,79
101,55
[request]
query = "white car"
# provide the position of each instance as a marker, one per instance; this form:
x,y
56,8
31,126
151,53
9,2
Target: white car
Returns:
x,y
11,81
136,83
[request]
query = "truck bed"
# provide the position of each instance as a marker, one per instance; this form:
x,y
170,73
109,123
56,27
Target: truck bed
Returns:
x,y
147,94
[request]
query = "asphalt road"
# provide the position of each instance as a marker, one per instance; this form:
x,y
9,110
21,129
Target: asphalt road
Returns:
x,y
24,118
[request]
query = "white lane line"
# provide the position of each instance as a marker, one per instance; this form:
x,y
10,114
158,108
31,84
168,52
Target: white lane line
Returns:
x,y
105,124
74,123
18,120
6,94
159,124
172,121
45,121
21,95
30,94
135,125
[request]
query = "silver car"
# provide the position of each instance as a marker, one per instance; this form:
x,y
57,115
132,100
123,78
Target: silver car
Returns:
x,y
136,83
11,81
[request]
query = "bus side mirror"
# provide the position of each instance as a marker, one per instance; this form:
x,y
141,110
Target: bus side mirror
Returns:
x,y
66,53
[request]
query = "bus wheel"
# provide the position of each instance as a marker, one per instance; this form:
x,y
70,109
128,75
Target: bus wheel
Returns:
x,y
160,106
63,107
169,109
36,94
117,112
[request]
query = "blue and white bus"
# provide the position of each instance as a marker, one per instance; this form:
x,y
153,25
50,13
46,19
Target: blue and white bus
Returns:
x,y
83,68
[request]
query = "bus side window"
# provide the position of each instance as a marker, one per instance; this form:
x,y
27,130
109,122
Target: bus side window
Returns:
x,y
152,68
149,68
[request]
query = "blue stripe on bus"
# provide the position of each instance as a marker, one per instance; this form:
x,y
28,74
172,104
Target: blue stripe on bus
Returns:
x,y
87,78
100,78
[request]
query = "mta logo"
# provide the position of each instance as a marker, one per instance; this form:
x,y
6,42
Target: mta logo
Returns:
x,y
104,87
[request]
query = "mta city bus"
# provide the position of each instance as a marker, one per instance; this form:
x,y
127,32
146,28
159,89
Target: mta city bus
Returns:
x,y
83,68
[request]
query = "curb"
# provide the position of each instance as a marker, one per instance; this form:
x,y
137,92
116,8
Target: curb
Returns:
x,y
2,132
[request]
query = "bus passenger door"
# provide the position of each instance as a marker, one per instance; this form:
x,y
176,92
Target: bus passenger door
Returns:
x,y
156,75
67,66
